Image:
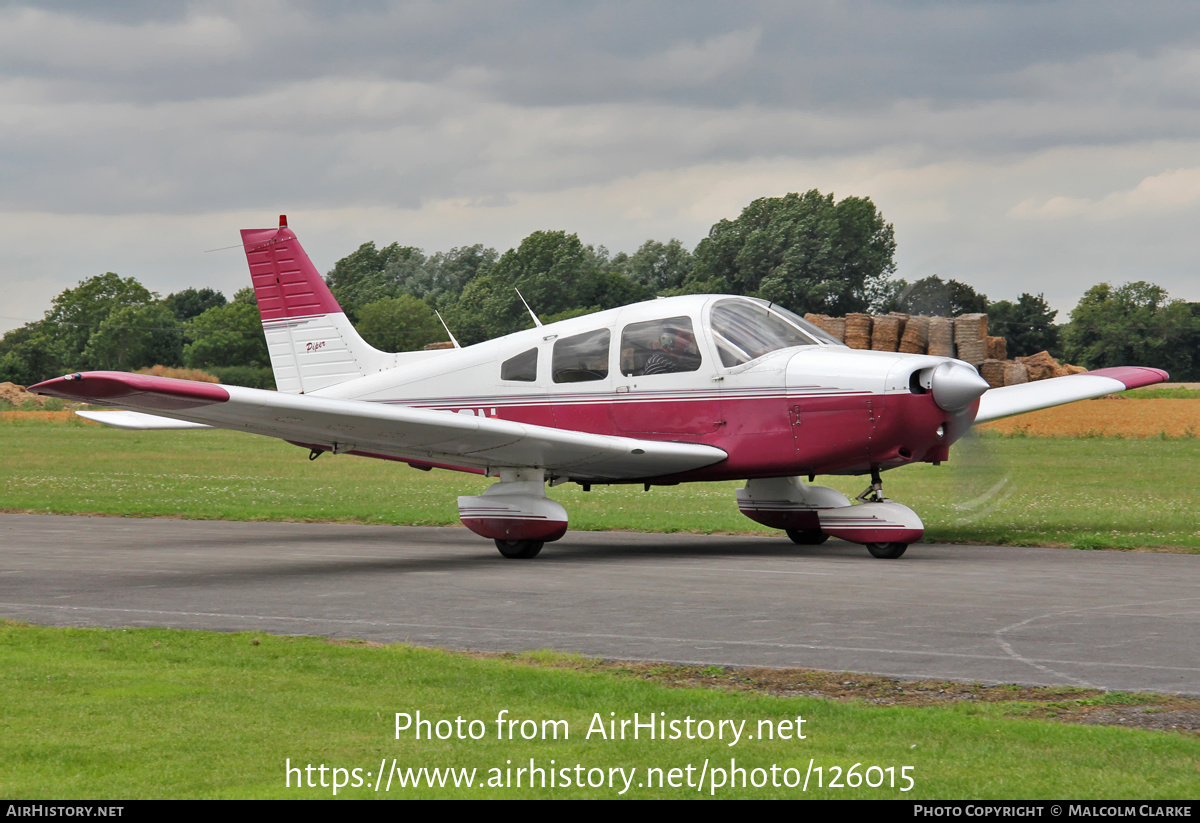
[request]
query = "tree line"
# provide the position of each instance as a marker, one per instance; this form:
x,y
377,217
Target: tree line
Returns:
x,y
806,252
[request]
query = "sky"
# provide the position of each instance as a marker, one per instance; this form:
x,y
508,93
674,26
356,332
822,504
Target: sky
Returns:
x,y
1037,147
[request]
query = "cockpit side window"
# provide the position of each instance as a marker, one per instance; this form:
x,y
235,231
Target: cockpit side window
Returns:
x,y
745,330
659,347
522,367
582,357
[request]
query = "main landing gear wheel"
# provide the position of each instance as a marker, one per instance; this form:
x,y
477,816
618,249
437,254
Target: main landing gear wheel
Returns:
x,y
519,549
807,537
887,551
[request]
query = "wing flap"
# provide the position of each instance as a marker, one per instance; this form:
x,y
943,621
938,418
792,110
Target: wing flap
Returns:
x,y
1042,394
138,421
421,435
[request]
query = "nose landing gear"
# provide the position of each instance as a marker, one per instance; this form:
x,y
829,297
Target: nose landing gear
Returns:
x,y
811,514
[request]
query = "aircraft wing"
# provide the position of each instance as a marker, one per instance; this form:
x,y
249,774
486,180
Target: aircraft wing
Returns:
x,y
1042,394
422,436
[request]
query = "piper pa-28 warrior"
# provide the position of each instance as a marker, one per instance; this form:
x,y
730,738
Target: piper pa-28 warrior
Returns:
x,y
681,389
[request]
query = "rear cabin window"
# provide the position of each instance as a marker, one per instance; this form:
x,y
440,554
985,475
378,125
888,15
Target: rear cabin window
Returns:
x,y
581,358
659,347
522,367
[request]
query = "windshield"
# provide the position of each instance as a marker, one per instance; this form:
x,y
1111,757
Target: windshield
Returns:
x,y
748,329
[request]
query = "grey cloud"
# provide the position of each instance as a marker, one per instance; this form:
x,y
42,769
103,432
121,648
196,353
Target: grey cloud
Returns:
x,y
160,108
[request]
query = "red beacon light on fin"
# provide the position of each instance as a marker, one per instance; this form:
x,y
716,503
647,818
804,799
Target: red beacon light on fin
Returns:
x,y
283,221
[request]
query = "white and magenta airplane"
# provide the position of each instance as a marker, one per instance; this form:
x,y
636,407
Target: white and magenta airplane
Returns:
x,y
682,389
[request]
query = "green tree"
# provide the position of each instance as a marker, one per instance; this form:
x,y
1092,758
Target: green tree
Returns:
x,y
76,314
229,335
401,323
31,354
191,303
803,251
554,272
1027,325
370,274
660,267
445,274
246,295
133,337
1133,325
931,296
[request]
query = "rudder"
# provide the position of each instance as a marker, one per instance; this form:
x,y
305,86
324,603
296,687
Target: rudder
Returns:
x,y
311,342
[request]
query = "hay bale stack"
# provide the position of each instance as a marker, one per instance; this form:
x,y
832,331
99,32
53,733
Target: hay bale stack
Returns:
x,y
993,372
833,326
996,348
1015,373
858,331
885,333
1041,366
970,338
916,336
941,336
970,327
903,318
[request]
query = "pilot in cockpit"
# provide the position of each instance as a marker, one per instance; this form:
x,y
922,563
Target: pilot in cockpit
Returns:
x,y
675,352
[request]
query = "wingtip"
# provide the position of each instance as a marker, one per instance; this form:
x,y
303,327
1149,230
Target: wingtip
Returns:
x,y
114,387
1134,377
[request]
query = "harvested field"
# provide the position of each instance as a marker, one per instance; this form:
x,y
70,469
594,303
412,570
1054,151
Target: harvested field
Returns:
x,y
64,416
1106,417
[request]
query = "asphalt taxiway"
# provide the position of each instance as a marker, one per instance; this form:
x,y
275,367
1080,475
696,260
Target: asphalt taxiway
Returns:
x,y
1112,620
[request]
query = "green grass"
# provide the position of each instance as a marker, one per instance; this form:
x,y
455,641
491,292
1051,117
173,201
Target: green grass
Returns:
x,y
1089,492
154,713
1154,394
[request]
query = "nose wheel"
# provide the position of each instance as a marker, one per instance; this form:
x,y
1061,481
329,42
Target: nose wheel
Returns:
x,y
873,496
886,551
807,537
520,549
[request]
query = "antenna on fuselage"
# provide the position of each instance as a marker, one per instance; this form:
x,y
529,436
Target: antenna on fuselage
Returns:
x,y
536,322
447,328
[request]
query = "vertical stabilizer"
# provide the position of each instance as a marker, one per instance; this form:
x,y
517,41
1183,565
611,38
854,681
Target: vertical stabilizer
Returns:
x,y
311,341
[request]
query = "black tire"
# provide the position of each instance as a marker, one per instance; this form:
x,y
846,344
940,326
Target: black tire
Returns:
x,y
807,537
519,549
887,551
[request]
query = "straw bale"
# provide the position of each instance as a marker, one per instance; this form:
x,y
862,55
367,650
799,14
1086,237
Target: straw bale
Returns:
x,y
834,326
1041,366
941,336
997,348
916,336
972,351
858,331
885,333
970,327
1015,373
993,372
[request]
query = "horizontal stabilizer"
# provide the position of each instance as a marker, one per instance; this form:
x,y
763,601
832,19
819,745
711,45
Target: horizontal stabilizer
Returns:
x,y
137,421
1042,394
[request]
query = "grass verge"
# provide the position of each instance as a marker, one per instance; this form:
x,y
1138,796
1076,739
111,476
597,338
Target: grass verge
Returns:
x,y
92,713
